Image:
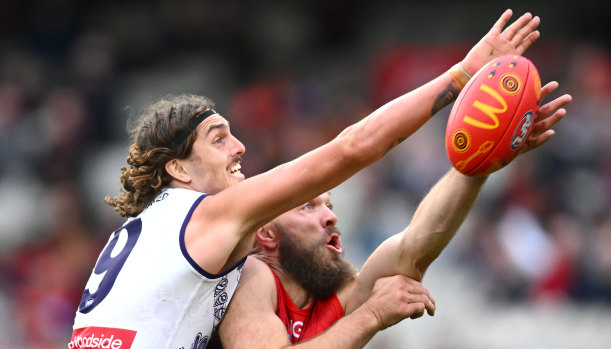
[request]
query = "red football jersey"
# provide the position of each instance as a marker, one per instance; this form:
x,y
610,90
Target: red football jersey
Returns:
x,y
303,324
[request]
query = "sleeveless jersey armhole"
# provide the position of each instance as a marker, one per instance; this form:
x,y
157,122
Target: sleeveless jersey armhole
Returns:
x,y
183,247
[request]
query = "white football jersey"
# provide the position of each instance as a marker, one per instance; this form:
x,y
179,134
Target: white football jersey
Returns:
x,y
146,292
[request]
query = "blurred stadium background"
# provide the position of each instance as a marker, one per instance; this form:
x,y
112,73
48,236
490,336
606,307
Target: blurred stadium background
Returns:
x,y
531,266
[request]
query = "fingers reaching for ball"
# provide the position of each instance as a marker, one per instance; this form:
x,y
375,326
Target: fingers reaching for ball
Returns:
x,y
546,110
547,116
515,39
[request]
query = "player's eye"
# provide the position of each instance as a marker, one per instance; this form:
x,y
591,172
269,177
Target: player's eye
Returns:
x,y
307,206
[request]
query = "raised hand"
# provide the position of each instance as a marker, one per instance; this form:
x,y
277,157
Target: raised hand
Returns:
x,y
547,116
514,39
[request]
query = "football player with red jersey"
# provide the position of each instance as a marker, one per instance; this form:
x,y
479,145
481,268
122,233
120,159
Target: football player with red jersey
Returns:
x,y
300,291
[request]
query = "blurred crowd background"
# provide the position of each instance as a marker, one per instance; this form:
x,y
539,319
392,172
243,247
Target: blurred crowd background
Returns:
x,y
531,266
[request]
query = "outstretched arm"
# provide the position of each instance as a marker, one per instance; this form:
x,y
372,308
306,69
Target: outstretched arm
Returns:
x,y
369,139
251,321
441,213
242,208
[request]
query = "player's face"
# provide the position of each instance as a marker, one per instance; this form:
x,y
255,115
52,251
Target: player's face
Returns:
x,y
313,223
214,161
310,250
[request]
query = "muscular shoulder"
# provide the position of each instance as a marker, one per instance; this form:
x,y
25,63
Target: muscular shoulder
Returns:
x,y
254,299
251,318
255,268
257,282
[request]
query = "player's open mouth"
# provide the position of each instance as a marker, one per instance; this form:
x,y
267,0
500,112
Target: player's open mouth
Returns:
x,y
333,243
235,168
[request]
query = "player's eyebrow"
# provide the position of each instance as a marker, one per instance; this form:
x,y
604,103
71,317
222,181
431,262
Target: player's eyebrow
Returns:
x,y
216,126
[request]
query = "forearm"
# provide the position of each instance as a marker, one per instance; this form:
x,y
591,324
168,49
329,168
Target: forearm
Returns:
x,y
393,122
438,217
435,222
358,146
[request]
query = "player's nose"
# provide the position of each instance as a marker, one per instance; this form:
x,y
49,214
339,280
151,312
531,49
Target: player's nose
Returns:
x,y
330,219
237,147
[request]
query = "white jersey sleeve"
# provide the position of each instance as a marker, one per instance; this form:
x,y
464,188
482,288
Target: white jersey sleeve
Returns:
x,y
146,292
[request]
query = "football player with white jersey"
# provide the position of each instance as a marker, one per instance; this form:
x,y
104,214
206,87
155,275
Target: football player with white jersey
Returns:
x,y
165,278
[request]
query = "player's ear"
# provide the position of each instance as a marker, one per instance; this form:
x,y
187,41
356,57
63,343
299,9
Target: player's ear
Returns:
x,y
175,169
267,237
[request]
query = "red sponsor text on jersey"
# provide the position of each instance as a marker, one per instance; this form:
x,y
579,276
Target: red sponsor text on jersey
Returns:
x,y
101,338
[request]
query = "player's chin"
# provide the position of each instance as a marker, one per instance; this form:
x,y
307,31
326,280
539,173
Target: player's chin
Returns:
x,y
236,177
233,179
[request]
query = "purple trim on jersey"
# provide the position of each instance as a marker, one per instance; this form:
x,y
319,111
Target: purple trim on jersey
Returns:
x,y
183,247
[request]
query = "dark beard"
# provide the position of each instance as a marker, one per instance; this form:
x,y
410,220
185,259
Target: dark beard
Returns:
x,y
316,272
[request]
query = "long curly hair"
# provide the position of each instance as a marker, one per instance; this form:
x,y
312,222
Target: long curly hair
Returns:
x,y
153,134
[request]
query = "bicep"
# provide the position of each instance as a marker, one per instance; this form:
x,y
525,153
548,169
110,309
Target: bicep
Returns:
x,y
265,196
248,327
229,219
255,201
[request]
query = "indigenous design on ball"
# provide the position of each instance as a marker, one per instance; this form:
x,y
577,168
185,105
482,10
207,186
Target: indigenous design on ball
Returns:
x,y
461,141
483,149
510,84
493,71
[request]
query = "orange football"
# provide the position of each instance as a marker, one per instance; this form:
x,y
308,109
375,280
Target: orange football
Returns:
x,y
493,115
